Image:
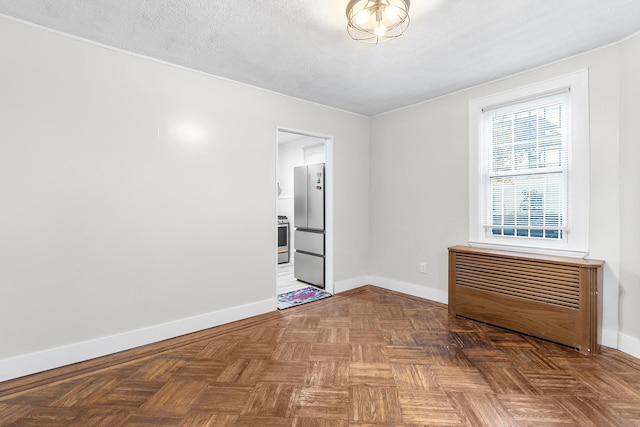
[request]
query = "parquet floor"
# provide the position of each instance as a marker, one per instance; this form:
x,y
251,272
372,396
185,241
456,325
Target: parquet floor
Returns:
x,y
367,357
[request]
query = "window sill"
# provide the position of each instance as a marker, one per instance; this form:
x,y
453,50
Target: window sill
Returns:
x,y
529,249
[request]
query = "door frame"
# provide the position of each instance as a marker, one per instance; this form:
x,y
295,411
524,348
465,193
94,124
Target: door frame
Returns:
x,y
328,206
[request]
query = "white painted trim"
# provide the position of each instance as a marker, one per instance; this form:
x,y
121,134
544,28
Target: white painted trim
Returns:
x,y
60,356
528,249
411,289
393,285
628,344
353,283
609,338
328,204
32,363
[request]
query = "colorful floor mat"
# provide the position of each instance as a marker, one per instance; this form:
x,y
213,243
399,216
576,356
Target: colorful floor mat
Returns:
x,y
300,296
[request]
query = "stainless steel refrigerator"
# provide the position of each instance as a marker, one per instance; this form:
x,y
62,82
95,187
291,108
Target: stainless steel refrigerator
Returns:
x,y
308,220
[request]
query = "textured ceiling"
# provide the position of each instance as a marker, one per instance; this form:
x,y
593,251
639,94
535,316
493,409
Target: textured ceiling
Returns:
x,y
301,48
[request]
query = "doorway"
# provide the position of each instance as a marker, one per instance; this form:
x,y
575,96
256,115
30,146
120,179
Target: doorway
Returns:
x,y
297,148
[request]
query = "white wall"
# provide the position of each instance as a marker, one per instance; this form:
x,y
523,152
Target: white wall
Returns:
x,y
419,193
117,221
630,195
419,183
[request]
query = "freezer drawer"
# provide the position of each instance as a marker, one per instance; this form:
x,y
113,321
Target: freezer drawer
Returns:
x,y
309,241
309,268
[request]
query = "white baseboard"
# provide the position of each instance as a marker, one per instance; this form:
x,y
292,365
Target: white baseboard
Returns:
x,y
629,345
44,360
392,285
609,338
40,361
410,289
353,283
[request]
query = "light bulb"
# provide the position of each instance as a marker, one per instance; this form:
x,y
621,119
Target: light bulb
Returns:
x,y
362,17
391,11
380,28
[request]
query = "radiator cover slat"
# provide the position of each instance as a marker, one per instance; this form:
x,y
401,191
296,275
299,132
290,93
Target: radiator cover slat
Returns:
x,y
520,279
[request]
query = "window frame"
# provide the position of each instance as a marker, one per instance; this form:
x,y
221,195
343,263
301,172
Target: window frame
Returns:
x,y
577,237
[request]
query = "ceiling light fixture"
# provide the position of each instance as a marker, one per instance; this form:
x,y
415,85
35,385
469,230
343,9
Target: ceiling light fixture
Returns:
x,y
375,21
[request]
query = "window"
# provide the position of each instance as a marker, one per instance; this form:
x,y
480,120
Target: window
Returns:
x,y
529,168
525,177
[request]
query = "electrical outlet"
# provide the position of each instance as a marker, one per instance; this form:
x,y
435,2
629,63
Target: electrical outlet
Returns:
x,y
423,267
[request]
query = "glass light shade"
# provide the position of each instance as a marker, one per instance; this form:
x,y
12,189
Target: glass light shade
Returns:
x,y
375,21
391,12
362,17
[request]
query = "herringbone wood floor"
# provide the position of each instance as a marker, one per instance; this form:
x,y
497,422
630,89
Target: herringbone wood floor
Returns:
x,y
368,357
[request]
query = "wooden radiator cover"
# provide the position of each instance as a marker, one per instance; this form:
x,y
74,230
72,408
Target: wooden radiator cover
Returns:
x,y
555,298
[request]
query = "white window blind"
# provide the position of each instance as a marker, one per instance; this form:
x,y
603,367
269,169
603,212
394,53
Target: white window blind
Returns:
x,y
526,175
